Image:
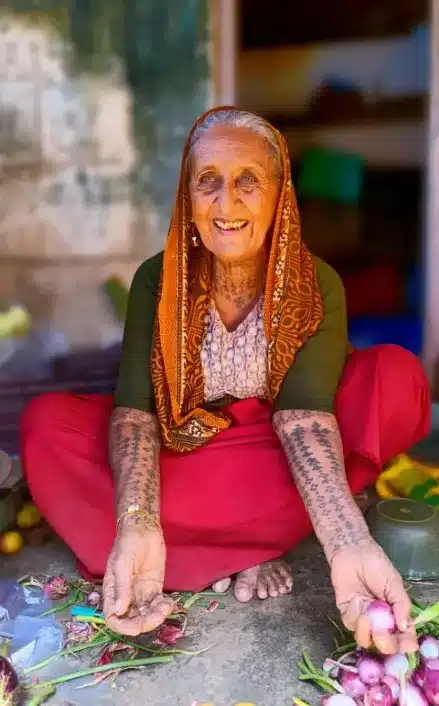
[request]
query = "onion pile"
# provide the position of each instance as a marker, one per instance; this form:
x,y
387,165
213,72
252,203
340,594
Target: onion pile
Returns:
x,y
357,677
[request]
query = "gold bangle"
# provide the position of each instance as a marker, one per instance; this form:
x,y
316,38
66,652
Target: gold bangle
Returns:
x,y
136,510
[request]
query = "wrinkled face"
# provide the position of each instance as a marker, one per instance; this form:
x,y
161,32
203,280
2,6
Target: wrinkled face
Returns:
x,y
234,191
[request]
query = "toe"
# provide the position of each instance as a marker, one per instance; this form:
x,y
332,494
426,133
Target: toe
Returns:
x,y
263,586
285,578
222,586
245,585
273,587
243,593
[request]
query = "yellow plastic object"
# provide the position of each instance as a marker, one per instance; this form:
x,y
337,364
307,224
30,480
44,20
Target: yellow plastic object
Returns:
x,y
11,542
403,475
28,516
16,321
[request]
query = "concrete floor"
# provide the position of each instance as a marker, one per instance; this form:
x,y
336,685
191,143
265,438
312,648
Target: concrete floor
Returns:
x,y
255,646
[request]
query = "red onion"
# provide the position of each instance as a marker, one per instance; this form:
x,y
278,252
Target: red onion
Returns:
x,y
412,696
370,670
432,664
381,617
394,686
94,599
353,685
418,677
8,677
431,686
378,695
340,700
429,647
324,700
396,665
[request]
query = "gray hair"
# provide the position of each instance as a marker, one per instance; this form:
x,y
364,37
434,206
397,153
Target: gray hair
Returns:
x,y
244,119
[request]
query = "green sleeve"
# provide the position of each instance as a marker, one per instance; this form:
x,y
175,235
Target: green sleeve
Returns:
x,y
134,387
312,381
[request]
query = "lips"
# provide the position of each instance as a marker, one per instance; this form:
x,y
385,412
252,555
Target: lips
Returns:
x,y
228,226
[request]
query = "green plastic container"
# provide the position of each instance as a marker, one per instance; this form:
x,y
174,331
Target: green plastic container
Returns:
x,y
331,175
408,532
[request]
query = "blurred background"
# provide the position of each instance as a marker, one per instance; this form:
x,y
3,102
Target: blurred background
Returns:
x,y
96,100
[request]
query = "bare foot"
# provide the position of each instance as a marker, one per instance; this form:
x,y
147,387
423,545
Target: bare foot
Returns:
x,y
222,586
272,579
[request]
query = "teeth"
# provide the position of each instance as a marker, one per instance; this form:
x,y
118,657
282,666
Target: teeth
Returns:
x,y
230,225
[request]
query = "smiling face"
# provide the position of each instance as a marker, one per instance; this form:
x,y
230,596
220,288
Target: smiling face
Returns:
x,y
234,189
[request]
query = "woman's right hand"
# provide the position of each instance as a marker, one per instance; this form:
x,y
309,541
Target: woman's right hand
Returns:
x,y
133,585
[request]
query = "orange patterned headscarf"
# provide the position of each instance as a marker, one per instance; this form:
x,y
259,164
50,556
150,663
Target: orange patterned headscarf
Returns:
x,y
292,312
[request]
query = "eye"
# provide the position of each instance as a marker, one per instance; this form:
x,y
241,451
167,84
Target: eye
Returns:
x,y
207,179
247,179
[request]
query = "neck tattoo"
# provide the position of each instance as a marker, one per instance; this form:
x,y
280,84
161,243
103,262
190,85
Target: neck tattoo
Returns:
x,y
239,283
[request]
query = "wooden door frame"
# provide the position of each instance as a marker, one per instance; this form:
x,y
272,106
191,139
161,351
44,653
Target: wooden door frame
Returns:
x,y
224,38
431,231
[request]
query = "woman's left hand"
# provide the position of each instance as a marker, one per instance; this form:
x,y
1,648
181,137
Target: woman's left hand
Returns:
x,y
361,574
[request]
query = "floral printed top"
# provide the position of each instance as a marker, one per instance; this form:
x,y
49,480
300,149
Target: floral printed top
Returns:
x,y
235,362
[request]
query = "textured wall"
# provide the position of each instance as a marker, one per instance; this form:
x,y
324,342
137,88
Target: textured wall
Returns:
x,y
96,98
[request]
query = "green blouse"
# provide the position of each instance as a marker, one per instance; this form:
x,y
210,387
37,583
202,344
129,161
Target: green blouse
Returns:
x,y
311,383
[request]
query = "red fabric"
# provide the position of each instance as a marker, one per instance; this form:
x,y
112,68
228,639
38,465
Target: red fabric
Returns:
x,y
231,504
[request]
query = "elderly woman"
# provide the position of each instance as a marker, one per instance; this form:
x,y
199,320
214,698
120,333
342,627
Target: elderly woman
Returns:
x,y
240,418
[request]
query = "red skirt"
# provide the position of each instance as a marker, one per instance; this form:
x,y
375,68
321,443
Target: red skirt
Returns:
x,y
231,504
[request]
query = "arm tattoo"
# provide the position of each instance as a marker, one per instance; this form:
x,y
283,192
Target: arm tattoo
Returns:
x,y
312,444
134,457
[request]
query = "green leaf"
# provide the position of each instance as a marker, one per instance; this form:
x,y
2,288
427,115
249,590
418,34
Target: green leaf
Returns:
x,y
429,614
419,491
303,669
100,642
413,660
129,664
308,662
193,599
75,598
325,683
341,651
41,698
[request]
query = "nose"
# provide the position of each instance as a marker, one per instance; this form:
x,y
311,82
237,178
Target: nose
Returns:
x,y
227,199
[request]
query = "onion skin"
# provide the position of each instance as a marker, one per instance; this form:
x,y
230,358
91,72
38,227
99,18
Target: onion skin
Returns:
x,y
396,666
370,670
353,685
413,696
340,700
378,695
394,686
381,617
